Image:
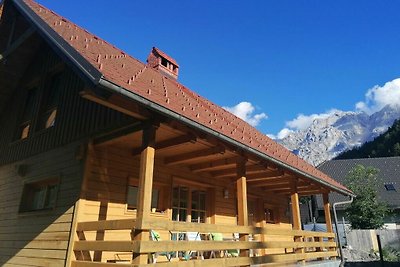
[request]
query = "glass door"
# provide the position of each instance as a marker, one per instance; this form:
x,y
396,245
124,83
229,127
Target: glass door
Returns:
x,y
188,204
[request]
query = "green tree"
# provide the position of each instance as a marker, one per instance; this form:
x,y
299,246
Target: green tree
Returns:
x,y
366,211
396,149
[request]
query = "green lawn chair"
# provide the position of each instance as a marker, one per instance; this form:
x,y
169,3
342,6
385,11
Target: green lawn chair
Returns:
x,y
155,236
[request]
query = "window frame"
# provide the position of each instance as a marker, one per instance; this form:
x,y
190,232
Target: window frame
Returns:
x,y
43,110
160,187
24,122
41,83
28,195
192,186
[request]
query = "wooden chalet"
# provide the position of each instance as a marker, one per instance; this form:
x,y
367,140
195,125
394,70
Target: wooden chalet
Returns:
x,y
107,160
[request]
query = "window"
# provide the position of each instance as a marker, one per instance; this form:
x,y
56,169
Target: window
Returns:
x,y
198,206
269,215
390,187
50,99
40,195
183,206
164,62
180,198
25,122
132,197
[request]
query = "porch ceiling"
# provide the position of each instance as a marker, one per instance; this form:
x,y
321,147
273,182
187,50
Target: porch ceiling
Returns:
x,y
180,148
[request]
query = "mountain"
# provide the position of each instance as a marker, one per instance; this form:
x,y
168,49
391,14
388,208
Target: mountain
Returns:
x,y
385,145
328,137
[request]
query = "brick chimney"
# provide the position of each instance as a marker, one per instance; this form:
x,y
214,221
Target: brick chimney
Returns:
x,y
165,64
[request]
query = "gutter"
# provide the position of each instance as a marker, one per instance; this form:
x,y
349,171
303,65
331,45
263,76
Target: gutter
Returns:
x,y
156,107
337,228
94,76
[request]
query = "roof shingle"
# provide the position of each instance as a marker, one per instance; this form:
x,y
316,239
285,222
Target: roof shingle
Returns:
x,y
133,75
389,170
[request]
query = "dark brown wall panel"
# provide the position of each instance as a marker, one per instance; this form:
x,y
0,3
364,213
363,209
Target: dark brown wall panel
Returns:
x,y
77,118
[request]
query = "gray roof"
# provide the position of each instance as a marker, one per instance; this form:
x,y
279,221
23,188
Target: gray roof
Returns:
x,y
389,173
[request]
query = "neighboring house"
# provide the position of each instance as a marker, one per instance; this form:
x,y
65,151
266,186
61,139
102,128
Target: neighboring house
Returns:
x,y
388,189
98,149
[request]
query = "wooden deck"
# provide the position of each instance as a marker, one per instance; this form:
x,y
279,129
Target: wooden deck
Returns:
x,y
301,245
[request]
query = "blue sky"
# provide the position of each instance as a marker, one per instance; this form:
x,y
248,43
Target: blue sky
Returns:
x,y
284,58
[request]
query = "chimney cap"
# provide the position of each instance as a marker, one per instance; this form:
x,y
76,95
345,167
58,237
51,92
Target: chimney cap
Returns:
x,y
163,63
164,55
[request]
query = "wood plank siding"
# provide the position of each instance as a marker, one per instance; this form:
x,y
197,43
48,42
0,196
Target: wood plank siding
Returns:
x,y
77,118
112,169
41,238
38,238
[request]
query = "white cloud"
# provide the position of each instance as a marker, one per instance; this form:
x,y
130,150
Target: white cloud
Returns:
x,y
284,132
245,110
380,96
302,121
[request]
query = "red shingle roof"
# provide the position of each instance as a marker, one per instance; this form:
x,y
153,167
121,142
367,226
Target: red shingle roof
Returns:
x,y
131,74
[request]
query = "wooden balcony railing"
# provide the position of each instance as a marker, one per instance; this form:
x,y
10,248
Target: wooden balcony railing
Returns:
x,y
308,245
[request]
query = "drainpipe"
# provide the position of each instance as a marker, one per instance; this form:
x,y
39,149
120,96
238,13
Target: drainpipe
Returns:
x,y
337,229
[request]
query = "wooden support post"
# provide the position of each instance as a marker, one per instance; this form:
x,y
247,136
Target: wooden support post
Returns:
x,y
260,215
328,218
241,189
145,189
327,210
294,197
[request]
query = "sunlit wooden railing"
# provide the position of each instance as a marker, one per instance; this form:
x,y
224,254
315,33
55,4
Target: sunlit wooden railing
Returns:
x,y
308,245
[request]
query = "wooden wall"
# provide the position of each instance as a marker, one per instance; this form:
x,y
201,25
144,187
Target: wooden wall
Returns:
x,y
39,238
77,118
105,185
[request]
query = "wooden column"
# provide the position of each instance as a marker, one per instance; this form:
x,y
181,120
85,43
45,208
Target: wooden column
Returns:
x,y
260,214
145,189
241,189
327,210
328,218
294,197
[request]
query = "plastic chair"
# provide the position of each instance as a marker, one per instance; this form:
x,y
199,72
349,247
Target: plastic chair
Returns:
x,y
155,236
193,236
218,237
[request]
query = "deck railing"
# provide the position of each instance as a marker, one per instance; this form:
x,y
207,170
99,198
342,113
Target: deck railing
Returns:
x,y
254,244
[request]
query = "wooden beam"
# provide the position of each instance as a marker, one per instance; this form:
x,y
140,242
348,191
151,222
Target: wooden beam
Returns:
x,y
266,176
17,43
259,177
294,197
299,190
264,181
241,191
232,171
214,165
274,187
103,138
193,155
172,142
327,210
328,218
118,103
310,193
296,217
145,188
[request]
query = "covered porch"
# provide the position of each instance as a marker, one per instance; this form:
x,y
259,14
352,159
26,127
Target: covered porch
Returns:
x,y
160,176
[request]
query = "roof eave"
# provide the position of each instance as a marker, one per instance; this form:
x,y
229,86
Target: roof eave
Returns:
x,y
92,74
163,110
60,46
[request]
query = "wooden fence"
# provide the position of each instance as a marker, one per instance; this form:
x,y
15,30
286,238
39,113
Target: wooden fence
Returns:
x,y
253,243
